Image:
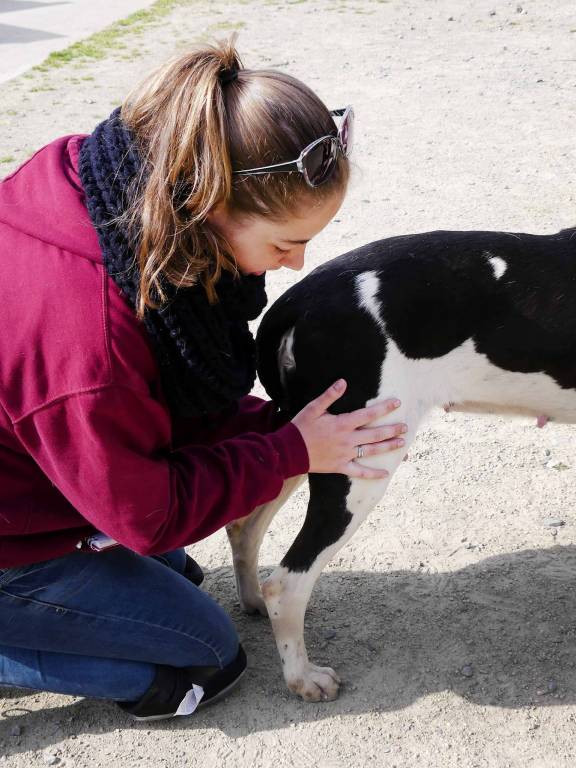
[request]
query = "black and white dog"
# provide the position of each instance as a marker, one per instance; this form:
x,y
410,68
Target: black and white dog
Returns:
x,y
480,321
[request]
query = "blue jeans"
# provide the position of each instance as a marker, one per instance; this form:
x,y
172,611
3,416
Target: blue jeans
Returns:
x,y
96,624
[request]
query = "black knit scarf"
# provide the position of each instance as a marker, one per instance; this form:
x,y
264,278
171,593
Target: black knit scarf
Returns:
x,y
206,353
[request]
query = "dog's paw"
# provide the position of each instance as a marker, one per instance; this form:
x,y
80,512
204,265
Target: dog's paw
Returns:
x,y
253,605
316,683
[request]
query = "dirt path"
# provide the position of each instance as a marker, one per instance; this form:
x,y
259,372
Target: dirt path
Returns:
x,y
450,615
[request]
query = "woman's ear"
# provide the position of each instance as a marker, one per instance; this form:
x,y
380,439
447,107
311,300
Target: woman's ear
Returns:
x,y
223,221
218,216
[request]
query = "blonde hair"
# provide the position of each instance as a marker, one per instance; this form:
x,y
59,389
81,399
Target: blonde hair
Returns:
x,y
192,128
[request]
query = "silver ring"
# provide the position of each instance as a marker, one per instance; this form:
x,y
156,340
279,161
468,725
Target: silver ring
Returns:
x,y
359,451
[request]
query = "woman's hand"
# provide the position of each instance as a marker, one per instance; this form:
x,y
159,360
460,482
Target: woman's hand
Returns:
x,y
333,441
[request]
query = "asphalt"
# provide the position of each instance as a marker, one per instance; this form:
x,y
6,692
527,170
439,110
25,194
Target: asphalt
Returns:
x,y
32,29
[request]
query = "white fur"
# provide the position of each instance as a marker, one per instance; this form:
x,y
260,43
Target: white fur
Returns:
x,y
498,265
367,286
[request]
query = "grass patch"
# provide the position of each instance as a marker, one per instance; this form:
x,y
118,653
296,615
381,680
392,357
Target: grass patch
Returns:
x,y
227,26
7,159
98,45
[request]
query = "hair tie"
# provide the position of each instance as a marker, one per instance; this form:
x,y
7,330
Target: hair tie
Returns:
x,y
227,75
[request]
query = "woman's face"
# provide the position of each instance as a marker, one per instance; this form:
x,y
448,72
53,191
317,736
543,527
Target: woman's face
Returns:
x,y
259,243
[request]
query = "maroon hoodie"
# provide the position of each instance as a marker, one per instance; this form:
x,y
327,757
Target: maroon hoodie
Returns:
x,y
86,440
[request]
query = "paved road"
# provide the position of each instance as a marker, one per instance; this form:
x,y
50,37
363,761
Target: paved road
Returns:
x,y
31,29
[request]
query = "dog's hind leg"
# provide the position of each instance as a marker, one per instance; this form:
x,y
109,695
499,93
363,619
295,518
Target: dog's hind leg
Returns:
x,y
245,536
338,504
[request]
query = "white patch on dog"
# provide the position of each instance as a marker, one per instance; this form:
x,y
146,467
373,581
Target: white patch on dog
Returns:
x,y
498,265
367,285
286,361
470,381
463,377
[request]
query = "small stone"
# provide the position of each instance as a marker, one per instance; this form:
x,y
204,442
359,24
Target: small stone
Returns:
x,y
492,13
519,9
50,758
467,670
330,634
553,522
552,686
16,730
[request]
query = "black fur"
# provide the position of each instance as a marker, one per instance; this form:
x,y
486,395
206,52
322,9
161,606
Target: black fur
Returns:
x,y
326,520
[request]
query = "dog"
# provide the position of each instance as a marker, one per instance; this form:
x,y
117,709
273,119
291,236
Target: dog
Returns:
x,y
474,321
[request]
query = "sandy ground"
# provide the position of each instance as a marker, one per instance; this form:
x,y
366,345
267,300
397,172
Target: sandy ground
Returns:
x,y
450,615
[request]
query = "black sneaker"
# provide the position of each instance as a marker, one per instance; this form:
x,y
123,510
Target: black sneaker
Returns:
x,y
193,572
171,685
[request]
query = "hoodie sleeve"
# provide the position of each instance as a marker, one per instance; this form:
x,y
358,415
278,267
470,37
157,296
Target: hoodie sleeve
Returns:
x,y
109,453
250,414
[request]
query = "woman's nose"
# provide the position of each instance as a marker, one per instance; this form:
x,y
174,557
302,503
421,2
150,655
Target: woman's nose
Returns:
x,y
295,260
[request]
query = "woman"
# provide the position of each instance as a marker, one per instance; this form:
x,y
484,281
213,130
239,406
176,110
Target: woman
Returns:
x,y
132,261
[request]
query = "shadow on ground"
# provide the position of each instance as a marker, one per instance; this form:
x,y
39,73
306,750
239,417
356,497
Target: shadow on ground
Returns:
x,y
10,6
11,34
501,632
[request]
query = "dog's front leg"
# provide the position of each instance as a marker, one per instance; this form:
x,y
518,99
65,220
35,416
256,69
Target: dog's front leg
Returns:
x,y
286,594
337,506
245,536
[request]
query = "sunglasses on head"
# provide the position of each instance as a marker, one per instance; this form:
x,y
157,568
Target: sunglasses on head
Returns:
x,y
317,161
